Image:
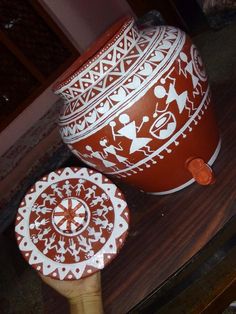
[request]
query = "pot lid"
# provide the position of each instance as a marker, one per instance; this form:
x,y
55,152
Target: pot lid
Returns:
x,y
71,223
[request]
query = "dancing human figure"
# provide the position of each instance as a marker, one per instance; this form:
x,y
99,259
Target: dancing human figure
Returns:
x,y
67,188
57,190
38,224
61,250
80,186
189,69
74,250
85,245
103,223
83,157
99,199
99,156
39,237
49,243
130,131
112,150
97,235
48,198
172,96
90,192
40,209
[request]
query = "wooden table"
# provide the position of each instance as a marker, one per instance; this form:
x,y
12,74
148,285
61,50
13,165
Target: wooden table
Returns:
x,y
181,251
180,255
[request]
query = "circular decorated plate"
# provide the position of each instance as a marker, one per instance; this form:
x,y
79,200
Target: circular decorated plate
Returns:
x,y
71,223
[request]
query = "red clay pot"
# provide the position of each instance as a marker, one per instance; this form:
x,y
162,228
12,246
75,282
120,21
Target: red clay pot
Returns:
x,y
138,107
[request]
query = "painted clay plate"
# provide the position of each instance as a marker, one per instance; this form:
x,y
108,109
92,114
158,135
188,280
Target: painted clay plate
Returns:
x,y
71,223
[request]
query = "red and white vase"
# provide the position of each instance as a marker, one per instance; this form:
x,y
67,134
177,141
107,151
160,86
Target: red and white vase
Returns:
x,y
138,107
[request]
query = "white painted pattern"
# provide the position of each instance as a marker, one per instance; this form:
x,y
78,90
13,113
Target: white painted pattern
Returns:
x,y
121,95
70,244
77,223
88,74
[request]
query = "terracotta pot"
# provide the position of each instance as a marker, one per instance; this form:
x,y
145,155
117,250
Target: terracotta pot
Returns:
x,y
138,107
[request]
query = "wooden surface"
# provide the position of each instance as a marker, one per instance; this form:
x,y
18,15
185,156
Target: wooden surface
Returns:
x,y
180,254
166,231
170,256
171,262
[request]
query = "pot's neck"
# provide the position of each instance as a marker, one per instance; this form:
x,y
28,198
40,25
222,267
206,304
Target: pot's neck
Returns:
x,y
98,60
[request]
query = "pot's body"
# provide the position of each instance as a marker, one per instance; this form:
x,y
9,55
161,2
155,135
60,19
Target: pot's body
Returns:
x,y
140,108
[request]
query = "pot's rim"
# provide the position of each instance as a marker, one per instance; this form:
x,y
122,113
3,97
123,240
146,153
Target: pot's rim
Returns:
x,y
92,53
